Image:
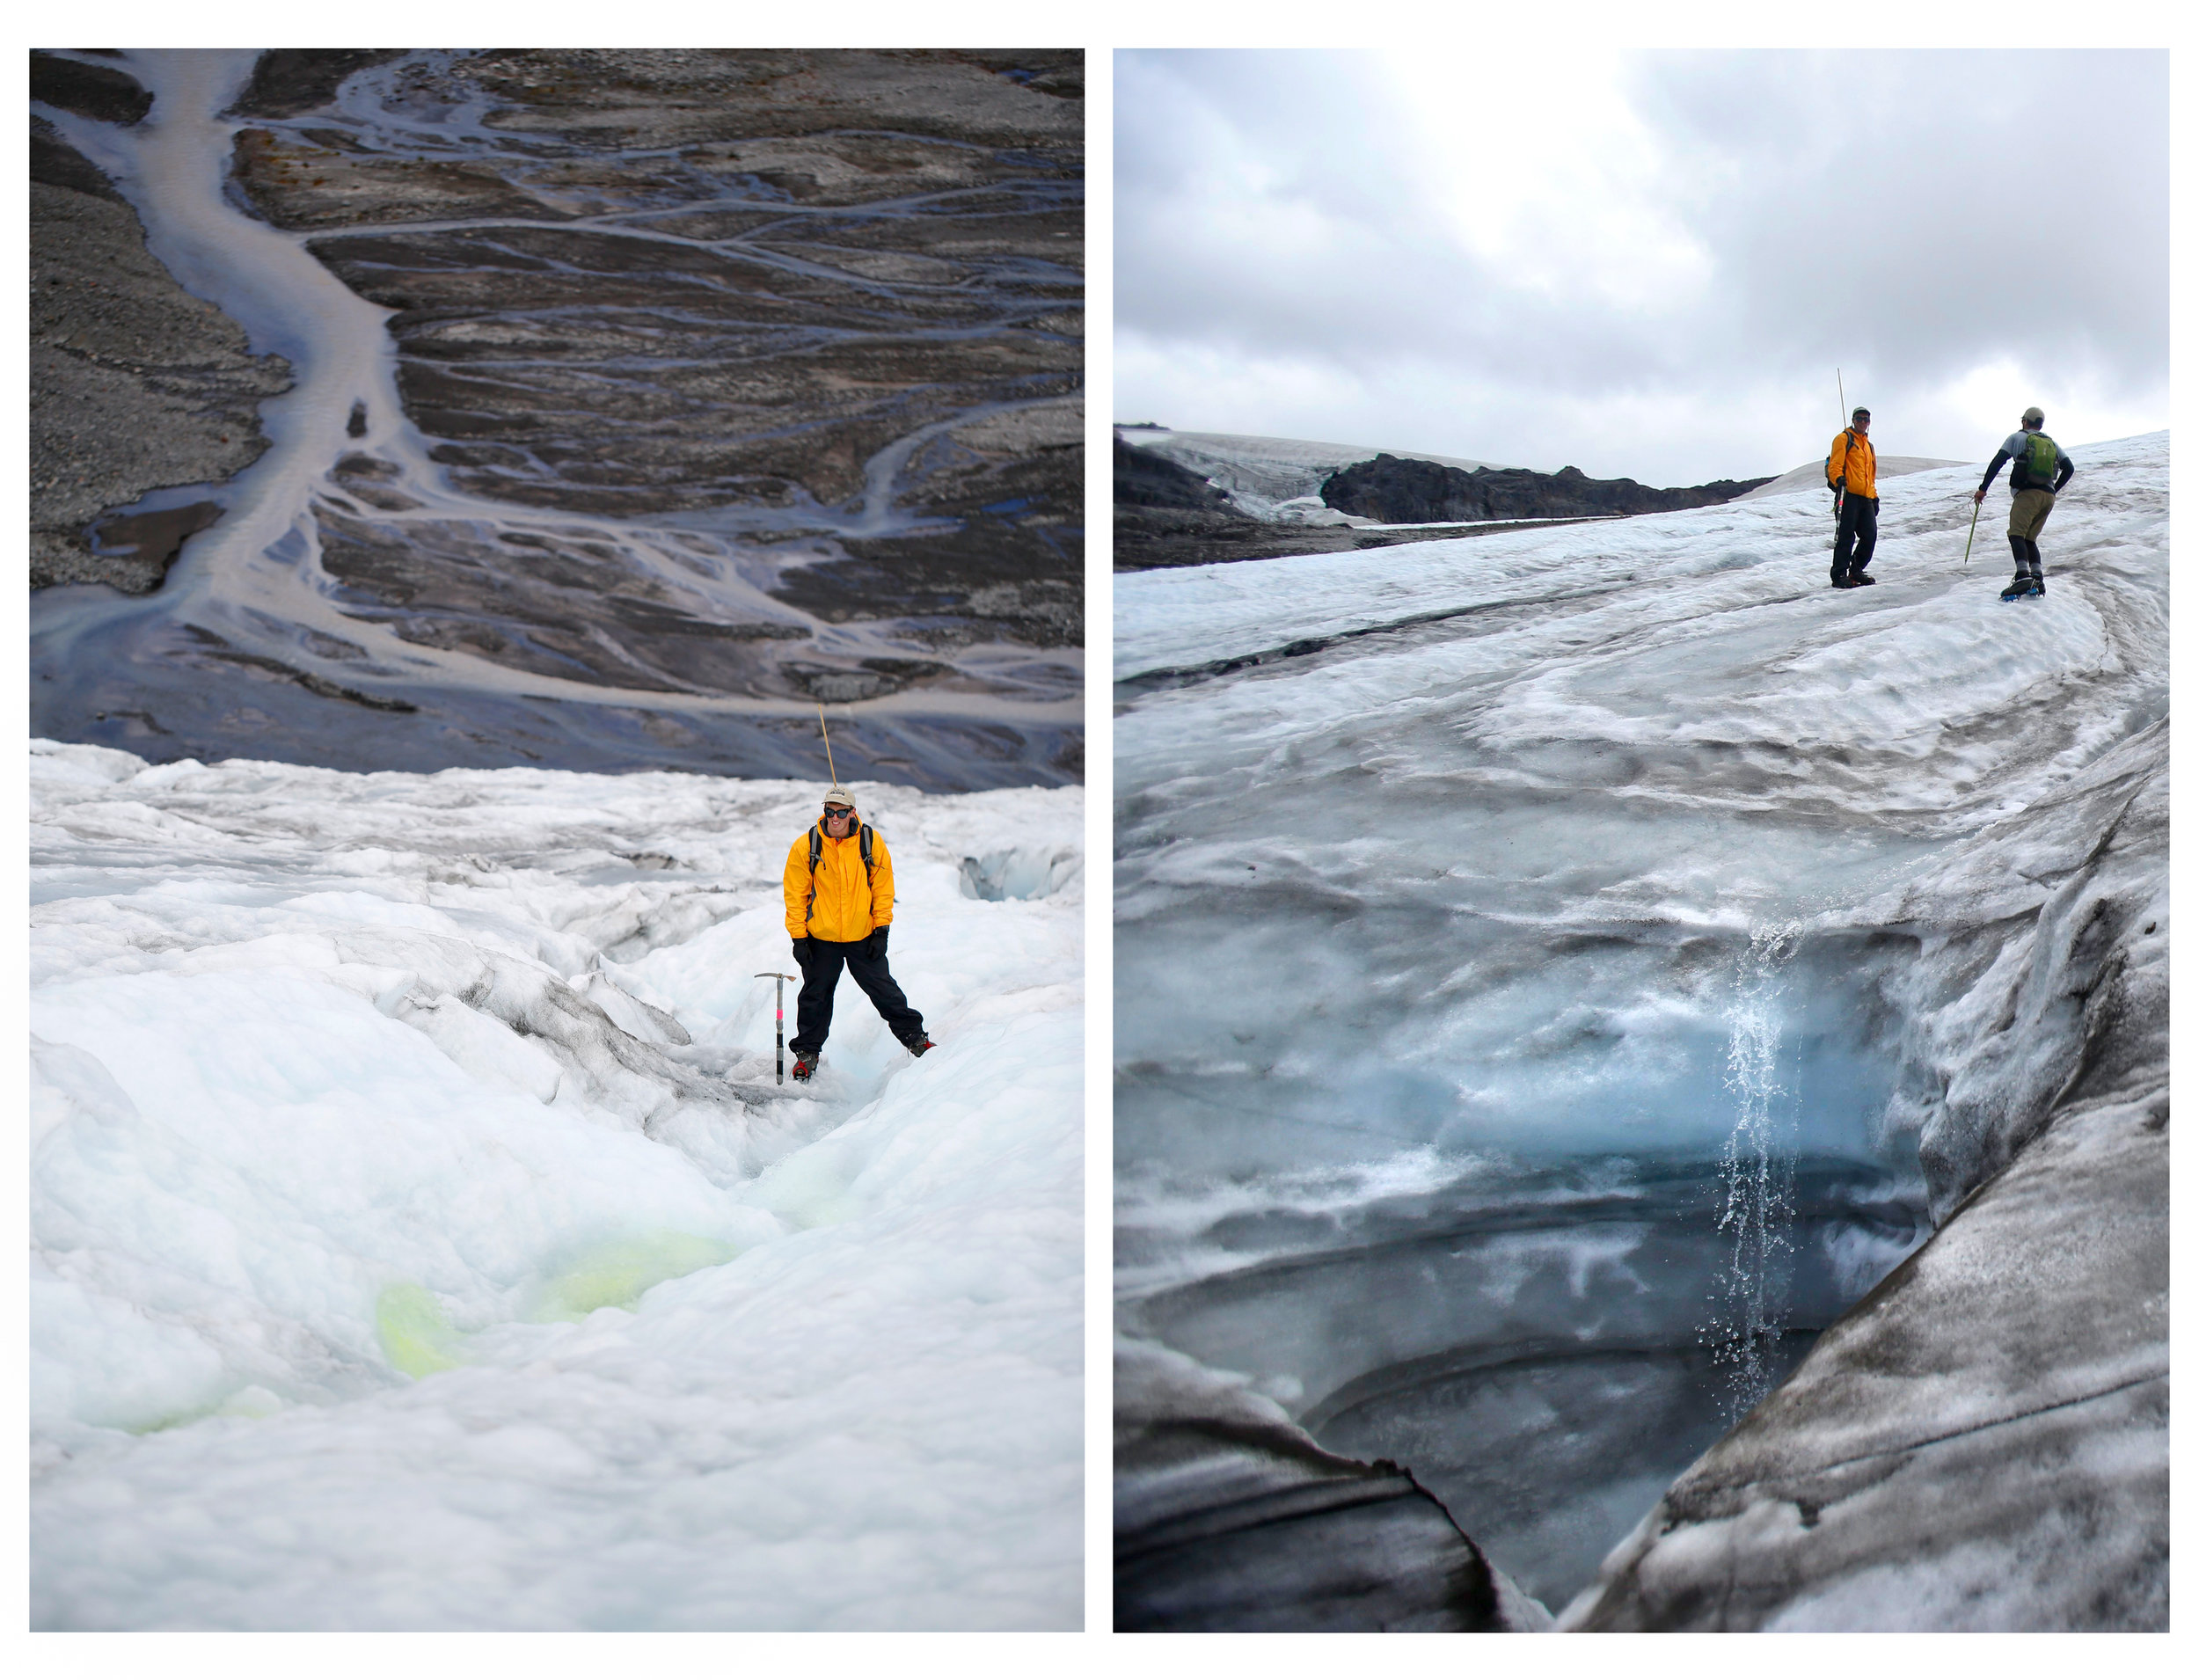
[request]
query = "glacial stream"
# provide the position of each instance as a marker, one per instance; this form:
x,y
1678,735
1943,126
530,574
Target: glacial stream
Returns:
x,y
354,680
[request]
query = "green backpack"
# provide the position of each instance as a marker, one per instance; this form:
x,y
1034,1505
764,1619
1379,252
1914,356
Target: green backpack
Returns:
x,y
2039,457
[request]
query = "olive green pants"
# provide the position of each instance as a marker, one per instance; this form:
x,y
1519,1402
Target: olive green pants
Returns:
x,y
2026,514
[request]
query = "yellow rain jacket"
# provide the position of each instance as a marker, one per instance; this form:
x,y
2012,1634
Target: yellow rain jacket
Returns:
x,y
1855,460
848,905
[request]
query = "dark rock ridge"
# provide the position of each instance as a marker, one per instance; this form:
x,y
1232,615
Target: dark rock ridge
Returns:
x,y
1144,479
1228,1517
1165,515
135,384
1414,492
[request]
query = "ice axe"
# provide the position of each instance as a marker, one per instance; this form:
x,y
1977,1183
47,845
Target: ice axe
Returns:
x,y
779,1025
1975,506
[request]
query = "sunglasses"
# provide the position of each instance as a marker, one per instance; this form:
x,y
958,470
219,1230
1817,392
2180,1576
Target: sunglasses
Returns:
x,y
837,812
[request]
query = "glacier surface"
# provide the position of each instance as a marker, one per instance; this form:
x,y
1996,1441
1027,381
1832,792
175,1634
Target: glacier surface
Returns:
x,y
419,1238
1560,973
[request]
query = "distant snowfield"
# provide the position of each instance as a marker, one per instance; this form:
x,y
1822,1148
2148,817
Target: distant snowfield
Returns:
x,y
419,1240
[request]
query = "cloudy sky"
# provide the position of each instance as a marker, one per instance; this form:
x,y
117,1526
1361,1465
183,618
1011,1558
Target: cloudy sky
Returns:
x,y
1642,264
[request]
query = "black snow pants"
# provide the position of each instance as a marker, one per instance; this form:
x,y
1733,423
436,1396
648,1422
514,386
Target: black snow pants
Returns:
x,y
1858,536
821,978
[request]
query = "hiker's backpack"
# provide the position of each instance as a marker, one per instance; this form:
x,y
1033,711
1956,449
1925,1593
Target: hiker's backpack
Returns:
x,y
2037,461
816,850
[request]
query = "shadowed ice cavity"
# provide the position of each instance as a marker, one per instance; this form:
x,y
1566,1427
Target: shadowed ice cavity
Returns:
x,y
1546,1278
1021,871
1531,1184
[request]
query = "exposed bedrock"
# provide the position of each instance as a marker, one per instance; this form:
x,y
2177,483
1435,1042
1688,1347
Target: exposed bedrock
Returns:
x,y
1229,1517
135,384
1408,493
1982,1442
1144,479
1166,514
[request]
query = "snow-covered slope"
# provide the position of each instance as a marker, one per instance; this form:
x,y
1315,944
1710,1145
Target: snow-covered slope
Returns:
x,y
1559,974
419,1238
1263,473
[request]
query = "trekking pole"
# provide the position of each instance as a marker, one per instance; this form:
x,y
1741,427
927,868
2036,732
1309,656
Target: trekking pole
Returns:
x,y
1973,537
779,1027
1841,385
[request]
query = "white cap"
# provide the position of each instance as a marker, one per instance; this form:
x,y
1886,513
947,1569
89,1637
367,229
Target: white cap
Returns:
x,y
837,795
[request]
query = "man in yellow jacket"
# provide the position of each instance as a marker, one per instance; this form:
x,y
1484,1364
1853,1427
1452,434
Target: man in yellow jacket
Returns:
x,y
839,888
1852,469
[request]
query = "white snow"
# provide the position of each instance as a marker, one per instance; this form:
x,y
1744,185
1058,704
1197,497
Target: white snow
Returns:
x,y
419,1240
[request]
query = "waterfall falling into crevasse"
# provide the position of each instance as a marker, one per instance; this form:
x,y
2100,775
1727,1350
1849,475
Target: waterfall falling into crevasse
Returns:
x,y
1751,1312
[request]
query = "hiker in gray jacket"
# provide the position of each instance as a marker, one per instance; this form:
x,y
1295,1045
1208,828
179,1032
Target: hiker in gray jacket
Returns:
x,y
2040,471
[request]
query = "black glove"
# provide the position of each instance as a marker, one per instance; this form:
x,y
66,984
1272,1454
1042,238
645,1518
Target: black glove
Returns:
x,y
874,948
802,952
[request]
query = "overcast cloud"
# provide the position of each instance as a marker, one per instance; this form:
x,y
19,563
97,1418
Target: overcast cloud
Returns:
x,y
1642,264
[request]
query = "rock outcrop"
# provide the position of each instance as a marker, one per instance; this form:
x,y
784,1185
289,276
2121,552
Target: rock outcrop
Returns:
x,y
1166,514
1143,480
1400,492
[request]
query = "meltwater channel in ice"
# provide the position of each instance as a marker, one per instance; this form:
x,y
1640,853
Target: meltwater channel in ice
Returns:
x,y
1504,1082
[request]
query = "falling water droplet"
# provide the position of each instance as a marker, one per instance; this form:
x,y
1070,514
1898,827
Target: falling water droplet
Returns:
x,y
1750,1316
